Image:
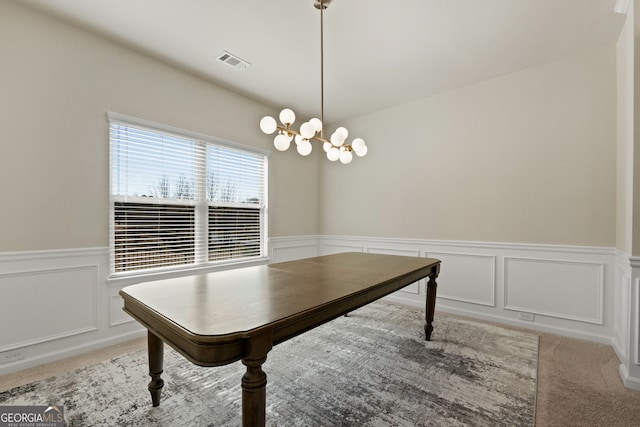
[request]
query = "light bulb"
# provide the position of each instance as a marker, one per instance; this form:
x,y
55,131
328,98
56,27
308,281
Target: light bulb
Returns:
x,y
282,142
333,154
337,139
307,130
362,151
343,132
317,124
346,157
298,139
287,116
304,148
268,125
357,144
326,146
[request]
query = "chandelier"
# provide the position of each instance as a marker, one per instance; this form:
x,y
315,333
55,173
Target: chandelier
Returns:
x,y
335,147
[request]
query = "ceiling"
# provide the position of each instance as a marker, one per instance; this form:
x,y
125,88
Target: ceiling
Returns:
x,y
377,53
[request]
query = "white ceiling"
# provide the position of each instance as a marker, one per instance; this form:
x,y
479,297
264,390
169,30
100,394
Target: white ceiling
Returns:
x,y
378,53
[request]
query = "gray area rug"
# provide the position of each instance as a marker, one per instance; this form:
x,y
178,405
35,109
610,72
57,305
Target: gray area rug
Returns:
x,y
373,368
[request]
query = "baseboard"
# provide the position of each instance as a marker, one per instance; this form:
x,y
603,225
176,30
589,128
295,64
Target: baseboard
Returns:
x,y
627,380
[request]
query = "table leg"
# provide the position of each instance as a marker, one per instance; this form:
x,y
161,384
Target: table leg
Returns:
x,y
254,393
254,381
155,348
431,306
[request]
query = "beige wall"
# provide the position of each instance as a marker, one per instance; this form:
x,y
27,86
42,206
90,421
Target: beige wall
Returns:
x,y
529,157
58,82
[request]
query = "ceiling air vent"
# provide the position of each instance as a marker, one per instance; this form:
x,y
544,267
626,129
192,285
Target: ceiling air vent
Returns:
x,y
233,61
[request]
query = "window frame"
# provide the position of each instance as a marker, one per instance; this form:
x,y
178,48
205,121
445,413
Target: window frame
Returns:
x,y
201,204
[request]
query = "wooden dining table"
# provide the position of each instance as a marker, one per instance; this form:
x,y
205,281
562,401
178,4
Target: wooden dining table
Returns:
x,y
240,314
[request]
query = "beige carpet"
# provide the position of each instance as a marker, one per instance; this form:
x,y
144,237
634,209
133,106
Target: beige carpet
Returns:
x,y
579,385
578,382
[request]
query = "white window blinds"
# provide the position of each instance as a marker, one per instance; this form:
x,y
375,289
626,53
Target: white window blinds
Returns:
x,y
179,199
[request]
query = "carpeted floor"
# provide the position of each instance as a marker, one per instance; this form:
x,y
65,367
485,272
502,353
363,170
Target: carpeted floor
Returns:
x,y
579,386
372,368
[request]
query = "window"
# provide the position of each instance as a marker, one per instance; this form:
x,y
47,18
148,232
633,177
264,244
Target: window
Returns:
x,y
179,199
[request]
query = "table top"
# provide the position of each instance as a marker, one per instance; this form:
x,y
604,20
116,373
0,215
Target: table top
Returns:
x,y
232,305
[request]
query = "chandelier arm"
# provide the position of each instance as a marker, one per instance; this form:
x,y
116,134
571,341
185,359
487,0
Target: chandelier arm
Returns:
x,y
291,132
287,130
321,139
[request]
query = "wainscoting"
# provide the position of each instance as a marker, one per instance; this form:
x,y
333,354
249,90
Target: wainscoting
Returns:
x,y
61,303
564,290
56,304
626,308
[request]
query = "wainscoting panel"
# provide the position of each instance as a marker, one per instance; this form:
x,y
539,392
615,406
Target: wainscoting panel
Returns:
x,y
627,340
636,321
45,305
413,288
621,308
116,315
58,304
564,289
467,277
330,249
291,248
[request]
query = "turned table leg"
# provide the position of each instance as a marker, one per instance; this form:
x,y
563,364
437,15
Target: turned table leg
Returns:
x,y
155,348
254,393
254,381
431,306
